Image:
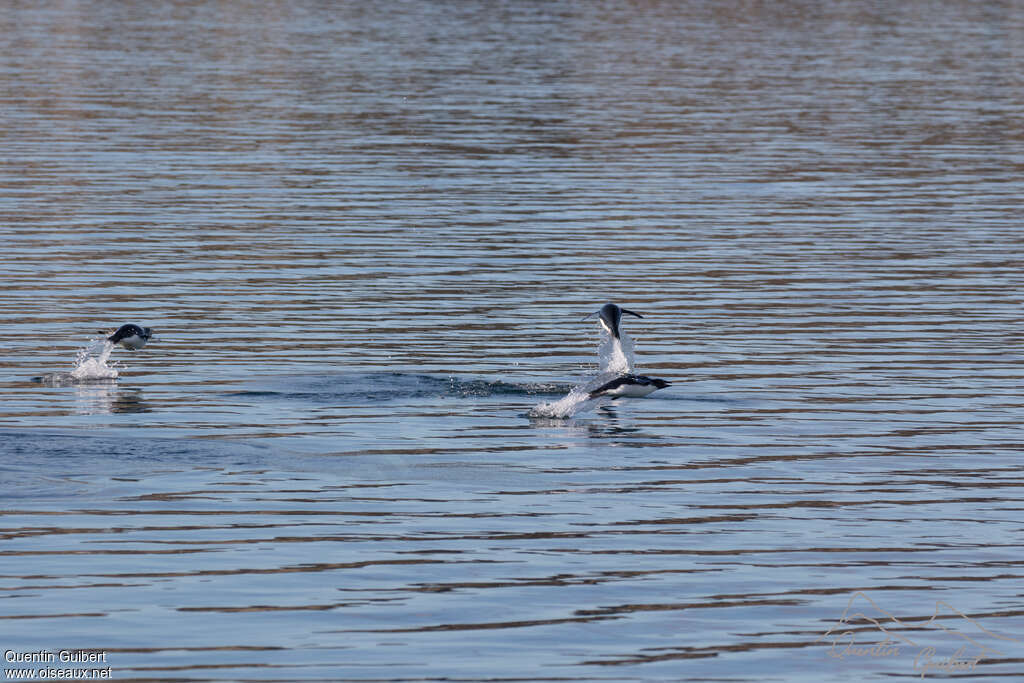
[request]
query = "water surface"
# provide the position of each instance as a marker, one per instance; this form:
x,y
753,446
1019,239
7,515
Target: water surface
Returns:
x,y
366,237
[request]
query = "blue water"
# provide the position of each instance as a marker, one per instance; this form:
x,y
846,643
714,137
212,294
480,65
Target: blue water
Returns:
x,y
366,237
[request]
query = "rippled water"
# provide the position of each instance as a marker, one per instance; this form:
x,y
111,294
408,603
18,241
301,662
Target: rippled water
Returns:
x,y
366,236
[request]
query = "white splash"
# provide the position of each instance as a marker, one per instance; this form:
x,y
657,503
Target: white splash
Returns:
x,y
89,366
575,401
615,357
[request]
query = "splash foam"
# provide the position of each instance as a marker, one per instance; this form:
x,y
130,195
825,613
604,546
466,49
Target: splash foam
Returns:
x,y
88,366
615,357
577,400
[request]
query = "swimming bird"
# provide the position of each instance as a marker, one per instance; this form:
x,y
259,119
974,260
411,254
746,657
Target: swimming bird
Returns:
x,y
629,385
131,336
610,316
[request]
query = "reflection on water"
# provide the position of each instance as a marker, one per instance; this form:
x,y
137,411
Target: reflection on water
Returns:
x,y
368,235
106,397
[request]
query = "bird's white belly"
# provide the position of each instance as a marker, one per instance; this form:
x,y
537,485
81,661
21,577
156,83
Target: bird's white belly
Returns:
x,y
632,390
134,342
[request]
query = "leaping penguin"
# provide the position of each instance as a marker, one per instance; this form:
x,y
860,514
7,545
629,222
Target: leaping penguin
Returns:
x,y
131,336
628,386
610,316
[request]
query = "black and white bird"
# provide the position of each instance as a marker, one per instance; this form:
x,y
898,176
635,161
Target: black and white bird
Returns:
x,y
628,386
131,336
610,316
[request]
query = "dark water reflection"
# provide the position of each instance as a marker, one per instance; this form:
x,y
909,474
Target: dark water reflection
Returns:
x,y
366,235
